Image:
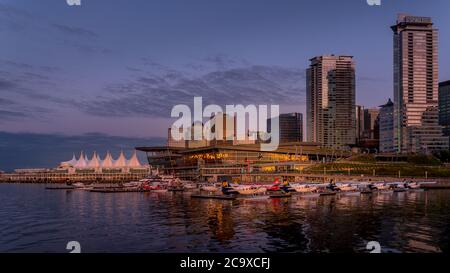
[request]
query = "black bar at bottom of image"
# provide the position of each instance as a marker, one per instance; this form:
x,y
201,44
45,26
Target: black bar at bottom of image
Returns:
x,y
185,262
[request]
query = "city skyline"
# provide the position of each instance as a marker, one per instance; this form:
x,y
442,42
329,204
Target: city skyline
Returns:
x,y
81,50
113,80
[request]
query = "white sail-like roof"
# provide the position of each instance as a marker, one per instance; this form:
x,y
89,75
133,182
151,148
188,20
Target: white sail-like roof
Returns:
x,y
73,161
94,162
108,161
134,161
69,163
81,163
121,161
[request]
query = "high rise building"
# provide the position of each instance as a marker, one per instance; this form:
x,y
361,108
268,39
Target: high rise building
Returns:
x,y
291,127
359,114
386,127
330,97
444,107
415,82
370,123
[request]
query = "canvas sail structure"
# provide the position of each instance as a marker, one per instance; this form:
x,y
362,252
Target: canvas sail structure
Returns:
x,y
81,162
70,163
108,161
134,161
121,161
94,163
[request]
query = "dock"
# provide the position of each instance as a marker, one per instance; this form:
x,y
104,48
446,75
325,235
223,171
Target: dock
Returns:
x,y
435,186
328,193
217,197
63,187
176,190
118,190
281,195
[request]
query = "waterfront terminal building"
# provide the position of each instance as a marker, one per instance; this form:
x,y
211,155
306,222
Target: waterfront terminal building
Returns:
x,y
84,169
239,163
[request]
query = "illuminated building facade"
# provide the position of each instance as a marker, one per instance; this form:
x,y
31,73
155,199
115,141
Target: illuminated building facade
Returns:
x,y
229,160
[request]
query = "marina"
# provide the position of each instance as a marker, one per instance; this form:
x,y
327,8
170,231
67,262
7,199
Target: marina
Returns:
x,y
228,191
45,220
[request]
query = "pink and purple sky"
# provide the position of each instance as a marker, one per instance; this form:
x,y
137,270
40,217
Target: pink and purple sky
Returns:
x,y
116,67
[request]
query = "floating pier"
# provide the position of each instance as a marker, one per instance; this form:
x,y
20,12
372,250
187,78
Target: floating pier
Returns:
x,y
219,197
118,190
435,186
176,190
280,195
60,188
328,193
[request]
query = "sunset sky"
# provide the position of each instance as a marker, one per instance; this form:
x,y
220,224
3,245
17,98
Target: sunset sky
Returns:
x,y
116,68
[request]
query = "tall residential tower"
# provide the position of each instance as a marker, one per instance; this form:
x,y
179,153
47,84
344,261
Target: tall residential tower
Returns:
x,y
444,107
415,84
330,101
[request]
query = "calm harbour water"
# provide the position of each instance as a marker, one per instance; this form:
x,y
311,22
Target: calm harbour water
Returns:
x,y
33,219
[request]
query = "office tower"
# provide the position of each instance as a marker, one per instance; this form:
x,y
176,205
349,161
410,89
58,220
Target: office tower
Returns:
x,y
370,123
415,83
386,127
291,127
444,107
330,97
359,114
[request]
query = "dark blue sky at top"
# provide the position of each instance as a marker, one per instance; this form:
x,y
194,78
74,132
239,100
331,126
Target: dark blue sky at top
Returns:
x,y
118,66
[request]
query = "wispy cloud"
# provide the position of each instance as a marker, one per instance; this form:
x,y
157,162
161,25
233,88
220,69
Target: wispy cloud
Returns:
x,y
154,93
10,115
6,84
27,90
80,38
75,31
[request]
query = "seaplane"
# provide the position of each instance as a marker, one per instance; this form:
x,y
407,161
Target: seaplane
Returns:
x,y
304,188
412,185
347,187
327,189
210,188
277,186
397,186
250,189
189,185
380,186
154,186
